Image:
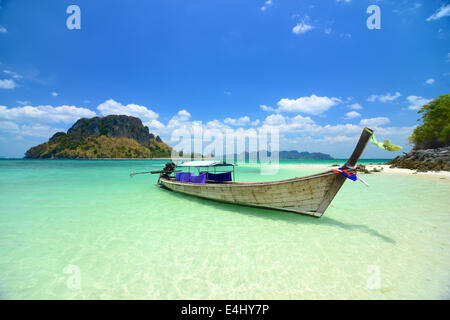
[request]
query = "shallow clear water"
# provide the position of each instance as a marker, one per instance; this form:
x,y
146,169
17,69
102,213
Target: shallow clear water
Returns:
x,y
131,239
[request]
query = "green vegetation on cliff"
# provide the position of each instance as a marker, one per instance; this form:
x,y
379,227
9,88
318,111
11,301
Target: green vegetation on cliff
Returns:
x,y
107,137
434,132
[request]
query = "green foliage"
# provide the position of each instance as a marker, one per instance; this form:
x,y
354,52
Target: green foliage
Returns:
x,y
103,130
434,132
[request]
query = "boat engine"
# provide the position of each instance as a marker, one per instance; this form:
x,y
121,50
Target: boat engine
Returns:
x,y
168,169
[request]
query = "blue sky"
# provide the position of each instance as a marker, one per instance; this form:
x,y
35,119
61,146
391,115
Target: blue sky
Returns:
x,y
310,68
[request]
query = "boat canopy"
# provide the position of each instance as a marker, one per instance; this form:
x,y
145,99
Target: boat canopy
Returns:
x,y
204,163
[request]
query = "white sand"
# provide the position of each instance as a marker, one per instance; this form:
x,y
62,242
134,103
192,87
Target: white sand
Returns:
x,y
387,169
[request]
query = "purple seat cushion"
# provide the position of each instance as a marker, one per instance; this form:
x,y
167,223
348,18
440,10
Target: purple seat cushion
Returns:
x,y
182,176
226,176
201,178
189,177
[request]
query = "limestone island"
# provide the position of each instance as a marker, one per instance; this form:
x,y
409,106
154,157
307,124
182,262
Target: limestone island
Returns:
x,y
114,136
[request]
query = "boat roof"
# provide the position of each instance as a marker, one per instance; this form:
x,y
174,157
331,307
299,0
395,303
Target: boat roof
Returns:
x,y
203,163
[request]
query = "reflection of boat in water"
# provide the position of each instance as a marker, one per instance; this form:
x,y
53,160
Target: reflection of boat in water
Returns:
x,y
310,195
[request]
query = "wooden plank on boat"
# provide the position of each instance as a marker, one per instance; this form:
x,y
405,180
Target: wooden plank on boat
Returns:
x,y
359,149
329,196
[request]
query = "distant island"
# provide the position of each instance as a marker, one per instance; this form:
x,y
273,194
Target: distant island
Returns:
x,y
304,155
114,136
288,155
120,136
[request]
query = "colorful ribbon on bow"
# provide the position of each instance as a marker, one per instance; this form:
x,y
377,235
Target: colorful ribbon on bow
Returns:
x,y
350,174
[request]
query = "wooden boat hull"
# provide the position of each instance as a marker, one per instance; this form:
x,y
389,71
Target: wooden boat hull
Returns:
x,y
303,195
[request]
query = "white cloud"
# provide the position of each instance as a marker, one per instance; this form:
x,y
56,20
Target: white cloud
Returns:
x,y
266,108
416,102
13,74
22,102
113,107
7,84
182,115
443,11
407,9
180,120
384,97
8,126
38,130
301,27
391,132
3,29
355,106
335,139
34,129
55,94
67,114
154,124
352,114
374,122
296,130
302,133
430,81
242,121
312,105
216,124
287,124
267,4
275,120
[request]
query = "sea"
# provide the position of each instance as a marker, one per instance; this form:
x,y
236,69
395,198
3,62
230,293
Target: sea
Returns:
x,y
84,229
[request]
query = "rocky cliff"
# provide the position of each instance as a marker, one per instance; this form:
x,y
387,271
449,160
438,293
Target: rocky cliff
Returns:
x,y
115,136
424,160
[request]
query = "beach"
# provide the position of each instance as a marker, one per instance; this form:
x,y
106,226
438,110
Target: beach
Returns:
x,y
385,168
83,229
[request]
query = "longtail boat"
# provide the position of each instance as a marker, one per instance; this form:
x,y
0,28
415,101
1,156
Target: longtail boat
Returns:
x,y
308,195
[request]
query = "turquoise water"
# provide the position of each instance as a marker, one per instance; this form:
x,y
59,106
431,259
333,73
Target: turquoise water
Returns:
x,y
128,239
